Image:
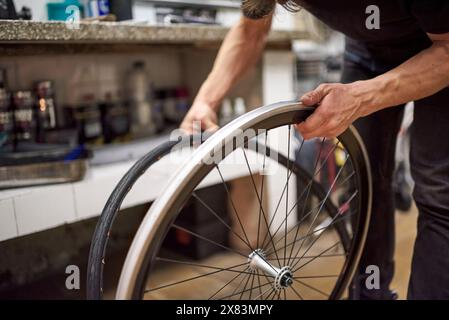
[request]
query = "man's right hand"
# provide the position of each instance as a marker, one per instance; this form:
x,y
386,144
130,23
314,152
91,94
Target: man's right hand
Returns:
x,y
203,113
240,51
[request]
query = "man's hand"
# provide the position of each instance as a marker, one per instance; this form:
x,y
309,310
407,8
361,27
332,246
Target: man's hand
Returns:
x,y
338,106
203,113
341,104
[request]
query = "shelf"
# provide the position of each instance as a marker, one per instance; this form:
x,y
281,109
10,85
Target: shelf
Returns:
x,y
28,210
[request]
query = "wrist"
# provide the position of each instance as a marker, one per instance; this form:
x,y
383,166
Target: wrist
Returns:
x,y
370,95
208,97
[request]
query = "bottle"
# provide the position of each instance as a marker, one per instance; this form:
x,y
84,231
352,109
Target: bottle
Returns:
x,y
182,103
139,100
158,110
98,8
6,121
45,109
170,110
24,120
226,112
88,122
114,117
239,107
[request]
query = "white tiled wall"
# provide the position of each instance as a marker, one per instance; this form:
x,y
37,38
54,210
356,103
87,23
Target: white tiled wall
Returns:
x,y
50,207
8,227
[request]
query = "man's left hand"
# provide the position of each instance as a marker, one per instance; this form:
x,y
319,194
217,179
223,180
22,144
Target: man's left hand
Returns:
x,y
339,105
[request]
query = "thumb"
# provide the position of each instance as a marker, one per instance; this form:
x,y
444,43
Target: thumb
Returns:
x,y
313,97
209,125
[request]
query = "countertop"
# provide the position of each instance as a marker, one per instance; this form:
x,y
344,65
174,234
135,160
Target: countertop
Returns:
x,y
124,32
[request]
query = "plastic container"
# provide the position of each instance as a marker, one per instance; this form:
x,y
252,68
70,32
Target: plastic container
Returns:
x,y
57,10
39,164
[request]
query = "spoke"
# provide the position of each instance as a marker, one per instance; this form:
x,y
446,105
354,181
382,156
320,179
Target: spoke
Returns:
x,y
319,211
271,295
220,219
327,226
260,203
237,293
296,225
252,286
308,193
258,281
347,178
271,292
299,197
240,283
246,284
312,287
208,240
317,277
297,293
334,221
233,206
278,204
227,283
192,278
264,293
324,251
323,256
193,264
261,188
285,294
286,195
339,219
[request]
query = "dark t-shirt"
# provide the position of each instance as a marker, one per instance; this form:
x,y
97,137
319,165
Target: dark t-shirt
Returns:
x,y
403,25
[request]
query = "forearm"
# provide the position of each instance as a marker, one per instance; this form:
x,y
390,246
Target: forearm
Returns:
x,y
239,52
419,77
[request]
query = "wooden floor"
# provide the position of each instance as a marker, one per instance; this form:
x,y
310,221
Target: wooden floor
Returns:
x,y
405,235
405,239
53,288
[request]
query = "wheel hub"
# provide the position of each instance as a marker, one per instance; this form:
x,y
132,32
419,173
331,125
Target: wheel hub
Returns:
x,y
283,277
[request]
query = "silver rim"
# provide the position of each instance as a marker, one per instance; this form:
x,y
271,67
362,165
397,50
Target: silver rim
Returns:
x,y
285,112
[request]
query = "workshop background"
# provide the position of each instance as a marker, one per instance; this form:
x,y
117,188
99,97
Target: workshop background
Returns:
x,y
83,87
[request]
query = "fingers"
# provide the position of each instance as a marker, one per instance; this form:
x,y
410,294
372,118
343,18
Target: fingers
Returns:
x,y
186,130
189,126
314,97
330,127
322,122
312,124
209,125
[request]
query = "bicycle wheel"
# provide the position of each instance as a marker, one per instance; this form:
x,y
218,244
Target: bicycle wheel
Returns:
x,y
276,264
97,256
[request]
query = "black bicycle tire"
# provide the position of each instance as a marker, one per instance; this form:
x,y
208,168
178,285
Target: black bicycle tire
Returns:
x,y
106,220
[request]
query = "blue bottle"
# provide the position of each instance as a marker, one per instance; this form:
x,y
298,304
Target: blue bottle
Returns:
x,y
98,8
